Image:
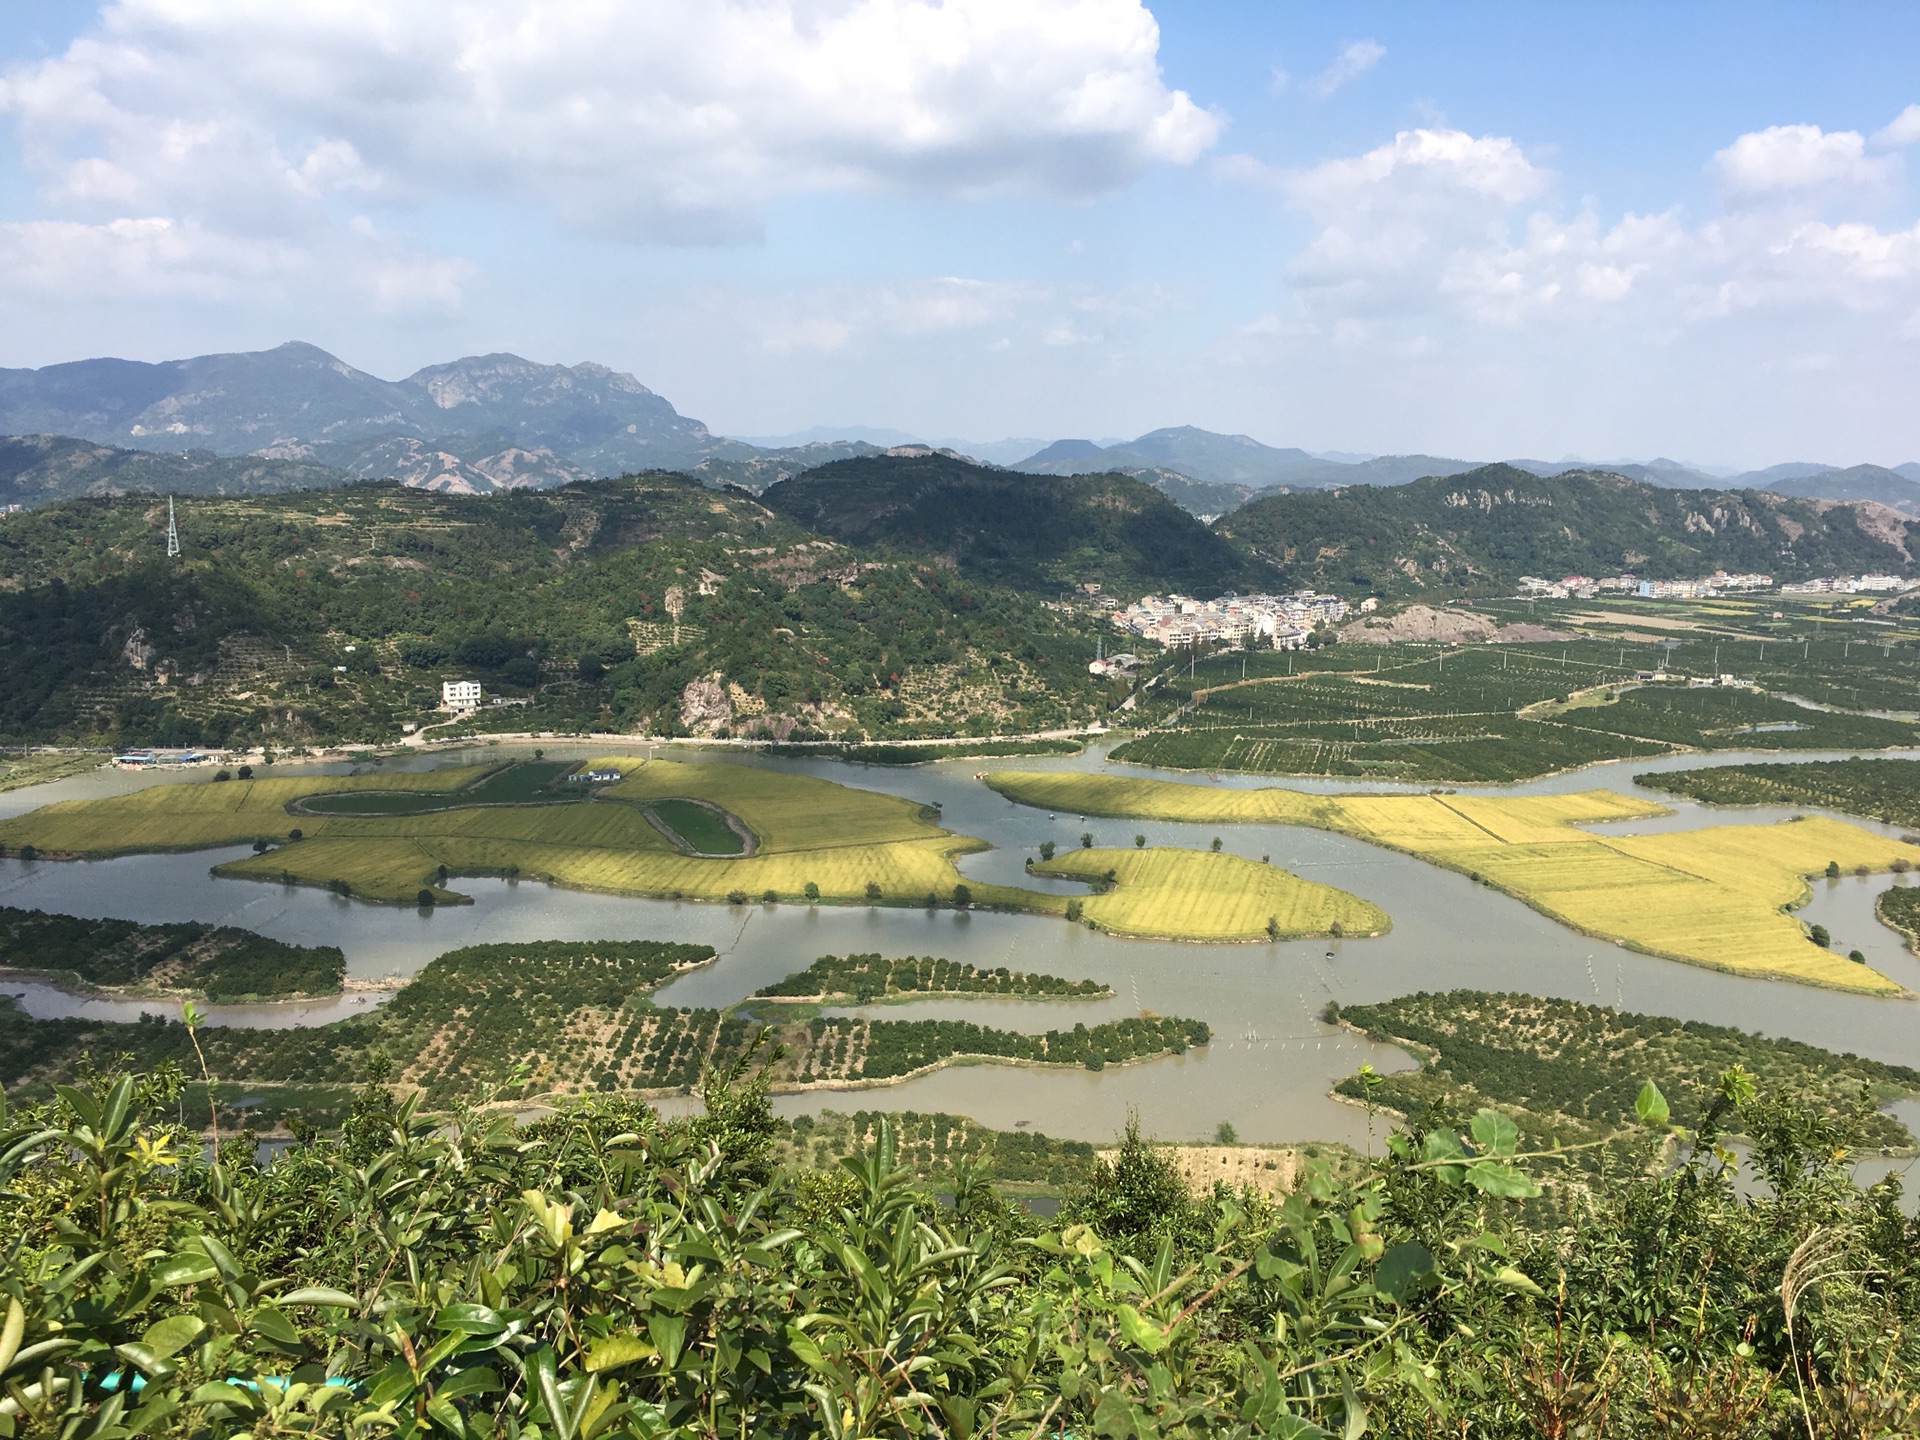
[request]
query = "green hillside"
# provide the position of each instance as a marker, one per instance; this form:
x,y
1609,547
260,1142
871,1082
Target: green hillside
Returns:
x,y
1482,530
648,602
40,469
1043,533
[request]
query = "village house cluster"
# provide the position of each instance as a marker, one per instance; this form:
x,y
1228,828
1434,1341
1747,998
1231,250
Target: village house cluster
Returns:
x,y
1585,587
1281,622
1850,585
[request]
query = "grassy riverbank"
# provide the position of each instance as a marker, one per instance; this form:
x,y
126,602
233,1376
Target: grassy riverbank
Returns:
x,y
34,767
1717,896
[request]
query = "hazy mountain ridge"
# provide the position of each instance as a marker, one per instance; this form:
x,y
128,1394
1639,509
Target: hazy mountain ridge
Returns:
x,y
241,403
42,469
1484,529
502,422
1858,482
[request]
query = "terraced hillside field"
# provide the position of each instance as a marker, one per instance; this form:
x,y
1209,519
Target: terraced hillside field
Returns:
x,y
1717,896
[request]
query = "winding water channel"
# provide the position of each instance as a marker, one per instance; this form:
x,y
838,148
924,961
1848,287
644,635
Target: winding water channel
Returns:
x,y
1272,1060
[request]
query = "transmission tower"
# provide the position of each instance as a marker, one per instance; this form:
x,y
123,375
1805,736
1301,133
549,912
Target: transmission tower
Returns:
x,y
173,533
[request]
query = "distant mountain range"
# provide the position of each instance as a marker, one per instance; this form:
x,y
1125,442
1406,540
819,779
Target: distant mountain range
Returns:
x,y
40,469
295,417
1467,534
1483,529
1230,460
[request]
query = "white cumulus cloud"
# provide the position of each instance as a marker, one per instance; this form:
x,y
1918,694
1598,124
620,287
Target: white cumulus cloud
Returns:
x,y
674,118
1790,158
1903,129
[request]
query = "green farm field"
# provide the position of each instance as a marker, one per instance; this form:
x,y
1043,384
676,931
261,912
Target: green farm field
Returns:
x,y
547,1019
1569,1072
1497,713
1882,789
704,830
1718,896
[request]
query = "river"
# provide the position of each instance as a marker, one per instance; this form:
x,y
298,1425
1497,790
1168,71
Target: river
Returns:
x,y
1272,1060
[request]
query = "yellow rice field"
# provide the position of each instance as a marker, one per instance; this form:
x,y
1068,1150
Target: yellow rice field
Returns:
x,y
807,831
1176,894
1716,896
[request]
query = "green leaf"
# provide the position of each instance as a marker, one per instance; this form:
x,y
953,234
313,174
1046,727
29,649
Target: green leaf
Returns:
x,y
469,1319
1650,1105
1141,1332
669,1333
558,1416
480,1380
1356,1414
1113,1416
612,1351
167,1338
1495,1133
11,1333
1401,1269
1515,1279
1490,1177
319,1295
275,1326
219,1392
182,1269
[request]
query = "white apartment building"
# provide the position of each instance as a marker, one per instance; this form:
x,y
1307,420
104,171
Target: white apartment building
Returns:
x,y
1277,621
460,694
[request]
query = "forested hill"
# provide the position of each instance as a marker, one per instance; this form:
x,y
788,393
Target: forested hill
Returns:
x,y
647,602
1030,532
1484,529
39,469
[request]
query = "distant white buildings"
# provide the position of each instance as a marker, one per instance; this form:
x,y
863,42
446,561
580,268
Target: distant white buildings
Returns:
x,y
1850,585
1582,587
1280,622
460,695
1718,583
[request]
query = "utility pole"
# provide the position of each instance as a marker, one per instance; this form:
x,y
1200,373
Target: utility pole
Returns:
x,y
173,533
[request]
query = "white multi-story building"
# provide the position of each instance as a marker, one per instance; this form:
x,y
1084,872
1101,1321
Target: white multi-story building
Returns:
x,y
1718,583
1279,621
460,694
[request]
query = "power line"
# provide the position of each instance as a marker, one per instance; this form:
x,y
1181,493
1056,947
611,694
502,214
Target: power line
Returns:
x,y
173,533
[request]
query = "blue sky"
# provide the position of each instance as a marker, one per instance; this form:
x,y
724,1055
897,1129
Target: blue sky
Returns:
x,y
1475,230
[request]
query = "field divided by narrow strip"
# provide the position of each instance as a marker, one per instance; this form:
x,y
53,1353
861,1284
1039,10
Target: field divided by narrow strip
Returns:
x,y
814,840
1717,896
